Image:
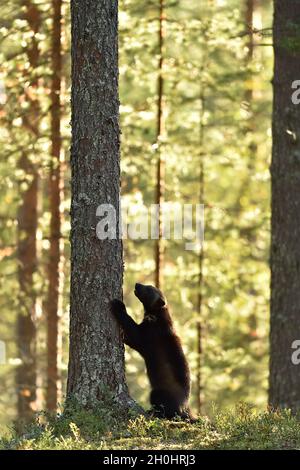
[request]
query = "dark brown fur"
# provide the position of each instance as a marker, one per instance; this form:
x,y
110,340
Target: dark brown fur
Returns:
x,y
157,342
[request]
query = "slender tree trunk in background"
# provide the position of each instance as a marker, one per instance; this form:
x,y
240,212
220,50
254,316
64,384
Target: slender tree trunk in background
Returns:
x,y
27,227
200,257
160,172
285,253
201,200
250,123
249,17
54,201
96,363
250,7
204,32
27,260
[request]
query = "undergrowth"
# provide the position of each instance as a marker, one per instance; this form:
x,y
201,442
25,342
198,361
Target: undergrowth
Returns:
x,y
108,428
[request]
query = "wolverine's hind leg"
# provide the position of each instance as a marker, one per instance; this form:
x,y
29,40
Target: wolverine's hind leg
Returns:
x,y
163,404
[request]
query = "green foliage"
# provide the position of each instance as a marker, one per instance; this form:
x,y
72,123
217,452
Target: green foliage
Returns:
x,y
242,428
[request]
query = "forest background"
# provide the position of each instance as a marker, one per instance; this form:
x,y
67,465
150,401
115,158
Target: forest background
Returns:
x,y
215,143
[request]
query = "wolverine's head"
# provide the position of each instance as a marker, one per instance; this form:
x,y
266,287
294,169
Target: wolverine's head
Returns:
x,y
151,297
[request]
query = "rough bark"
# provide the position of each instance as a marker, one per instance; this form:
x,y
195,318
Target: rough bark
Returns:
x,y
285,254
54,203
26,231
160,171
96,363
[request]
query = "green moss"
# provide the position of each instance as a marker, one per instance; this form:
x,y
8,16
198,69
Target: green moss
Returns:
x,y
107,428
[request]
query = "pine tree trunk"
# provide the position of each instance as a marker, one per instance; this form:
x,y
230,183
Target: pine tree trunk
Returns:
x,y
250,7
250,127
201,200
160,173
27,227
96,364
54,201
26,330
285,253
200,280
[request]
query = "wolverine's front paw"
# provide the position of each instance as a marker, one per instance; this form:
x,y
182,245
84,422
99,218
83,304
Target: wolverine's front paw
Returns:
x,y
117,307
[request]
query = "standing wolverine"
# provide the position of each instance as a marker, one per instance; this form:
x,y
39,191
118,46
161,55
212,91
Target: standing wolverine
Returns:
x,y
157,342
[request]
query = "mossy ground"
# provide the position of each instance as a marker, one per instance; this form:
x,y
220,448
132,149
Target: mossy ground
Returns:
x,y
107,429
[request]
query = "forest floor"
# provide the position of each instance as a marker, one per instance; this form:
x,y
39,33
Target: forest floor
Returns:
x,y
243,428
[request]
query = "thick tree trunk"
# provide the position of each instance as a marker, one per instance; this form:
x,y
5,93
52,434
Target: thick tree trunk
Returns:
x,y
285,253
160,172
27,227
54,201
96,364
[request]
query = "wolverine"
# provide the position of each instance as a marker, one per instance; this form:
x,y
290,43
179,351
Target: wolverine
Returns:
x,y
155,339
